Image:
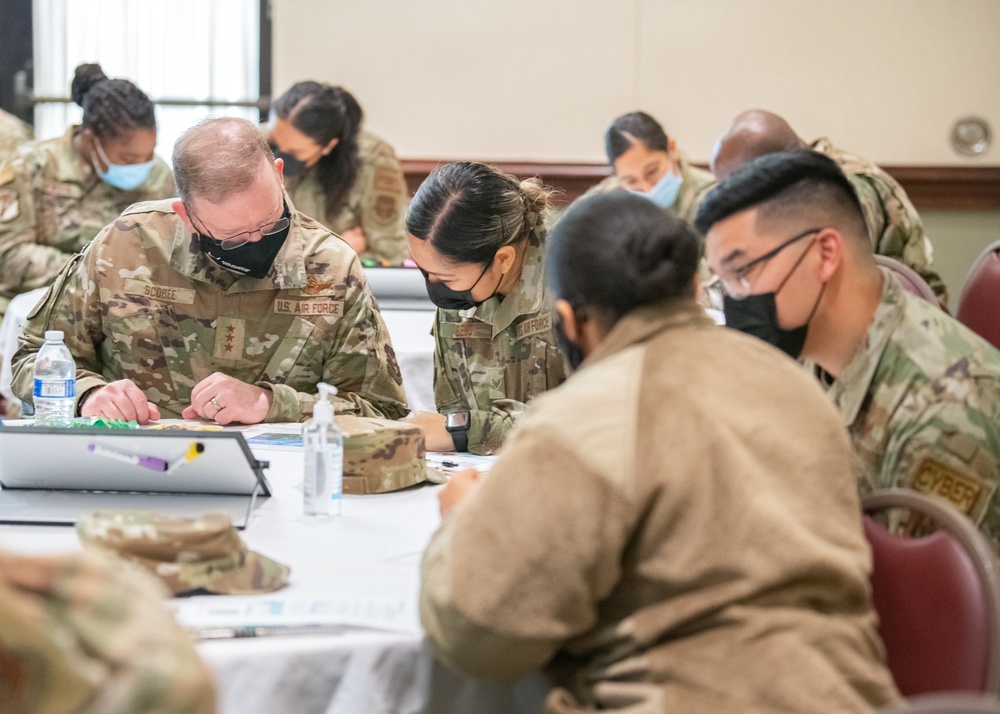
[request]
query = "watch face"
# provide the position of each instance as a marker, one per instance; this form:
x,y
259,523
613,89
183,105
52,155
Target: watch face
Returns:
x,y
457,421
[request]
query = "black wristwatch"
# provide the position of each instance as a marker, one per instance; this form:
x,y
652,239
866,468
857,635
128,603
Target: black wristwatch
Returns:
x,y
457,424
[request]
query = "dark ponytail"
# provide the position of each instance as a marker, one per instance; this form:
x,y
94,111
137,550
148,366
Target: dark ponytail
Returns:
x,y
617,251
630,128
111,107
324,113
468,211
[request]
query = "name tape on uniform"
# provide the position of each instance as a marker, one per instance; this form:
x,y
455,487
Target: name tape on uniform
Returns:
x,y
473,331
534,325
309,307
163,293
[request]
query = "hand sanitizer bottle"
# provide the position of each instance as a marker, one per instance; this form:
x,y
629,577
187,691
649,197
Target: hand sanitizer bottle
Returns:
x,y
323,477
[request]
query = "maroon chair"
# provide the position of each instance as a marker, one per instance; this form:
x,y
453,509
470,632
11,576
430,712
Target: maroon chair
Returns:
x,y
937,597
979,306
908,278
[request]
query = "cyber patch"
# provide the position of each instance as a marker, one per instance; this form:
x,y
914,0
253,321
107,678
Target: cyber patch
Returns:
x,y
965,491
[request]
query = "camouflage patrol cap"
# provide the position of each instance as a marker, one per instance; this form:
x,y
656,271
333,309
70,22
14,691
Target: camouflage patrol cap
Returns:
x,y
202,553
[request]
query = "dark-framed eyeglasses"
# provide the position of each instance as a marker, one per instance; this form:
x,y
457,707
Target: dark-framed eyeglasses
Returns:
x,y
737,285
241,239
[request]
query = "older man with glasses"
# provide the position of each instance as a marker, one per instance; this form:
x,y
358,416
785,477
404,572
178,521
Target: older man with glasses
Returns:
x,y
919,393
226,304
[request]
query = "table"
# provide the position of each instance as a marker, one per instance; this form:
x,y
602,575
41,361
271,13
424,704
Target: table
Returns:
x,y
370,554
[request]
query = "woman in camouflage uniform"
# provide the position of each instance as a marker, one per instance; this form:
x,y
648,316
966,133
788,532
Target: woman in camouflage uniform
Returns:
x,y
56,195
347,179
478,236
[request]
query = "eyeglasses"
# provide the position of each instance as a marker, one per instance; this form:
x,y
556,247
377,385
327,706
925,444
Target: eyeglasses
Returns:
x,y
241,239
737,286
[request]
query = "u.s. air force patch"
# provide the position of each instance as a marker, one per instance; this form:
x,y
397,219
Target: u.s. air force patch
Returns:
x,y
10,206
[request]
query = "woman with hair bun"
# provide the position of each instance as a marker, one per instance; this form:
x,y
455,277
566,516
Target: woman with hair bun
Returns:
x,y
674,529
56,195
478,236
348,179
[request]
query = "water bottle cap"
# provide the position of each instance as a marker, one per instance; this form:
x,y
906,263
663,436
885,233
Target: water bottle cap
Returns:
x,y
53,335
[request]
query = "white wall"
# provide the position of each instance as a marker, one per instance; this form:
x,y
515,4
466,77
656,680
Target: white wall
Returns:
x,y
541,79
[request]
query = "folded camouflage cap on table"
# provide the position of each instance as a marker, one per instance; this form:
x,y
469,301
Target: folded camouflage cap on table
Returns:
x,y
202,553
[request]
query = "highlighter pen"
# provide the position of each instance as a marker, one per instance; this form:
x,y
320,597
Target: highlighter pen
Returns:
x,y
149,462
194,451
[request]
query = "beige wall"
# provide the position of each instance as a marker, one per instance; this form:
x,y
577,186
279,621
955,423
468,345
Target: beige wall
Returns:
x,y
959,238
540,80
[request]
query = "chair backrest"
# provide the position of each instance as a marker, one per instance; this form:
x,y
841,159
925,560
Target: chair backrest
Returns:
x,y
964,703
937,598
908,278
979,305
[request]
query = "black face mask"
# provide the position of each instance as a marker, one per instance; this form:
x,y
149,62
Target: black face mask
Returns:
x,y
448,299
293,166
571,351
757,315
252,259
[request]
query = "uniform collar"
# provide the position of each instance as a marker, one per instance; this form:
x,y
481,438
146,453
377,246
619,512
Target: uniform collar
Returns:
x,y
69,164
822,145
850,389
287,272
526,298
644,323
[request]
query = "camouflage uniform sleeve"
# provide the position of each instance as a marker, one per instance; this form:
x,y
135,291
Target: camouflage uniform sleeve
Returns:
x,y
897,230
488,427
72,305
383,208
25,264
952,450
361,363
85,634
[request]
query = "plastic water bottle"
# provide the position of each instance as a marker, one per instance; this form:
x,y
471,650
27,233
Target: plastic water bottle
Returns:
x,y
323,444
55,382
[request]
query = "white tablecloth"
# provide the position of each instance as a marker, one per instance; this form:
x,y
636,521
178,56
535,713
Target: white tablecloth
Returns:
x,y
369,556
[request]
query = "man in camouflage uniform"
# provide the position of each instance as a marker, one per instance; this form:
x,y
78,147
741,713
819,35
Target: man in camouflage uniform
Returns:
x,y
83,635
493,359
375,207
919,393
158,325
893,223
52,204
13,133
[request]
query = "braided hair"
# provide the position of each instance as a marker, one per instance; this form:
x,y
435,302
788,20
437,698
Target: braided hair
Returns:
x,y
111,107
324,113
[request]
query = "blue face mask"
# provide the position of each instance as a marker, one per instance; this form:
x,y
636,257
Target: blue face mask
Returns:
x,y
664,193
124,176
